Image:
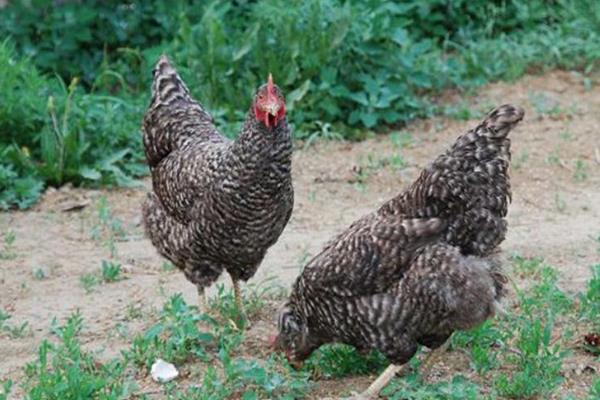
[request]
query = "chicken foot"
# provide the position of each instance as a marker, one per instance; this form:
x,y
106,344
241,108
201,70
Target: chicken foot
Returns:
x,y
386,376
202,303
237,293
433,357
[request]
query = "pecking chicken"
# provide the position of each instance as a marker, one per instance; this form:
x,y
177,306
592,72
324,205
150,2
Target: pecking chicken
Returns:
x,y
215,204
417,269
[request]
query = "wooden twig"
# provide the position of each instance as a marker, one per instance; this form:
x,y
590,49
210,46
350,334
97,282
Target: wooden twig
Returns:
x,y
565,166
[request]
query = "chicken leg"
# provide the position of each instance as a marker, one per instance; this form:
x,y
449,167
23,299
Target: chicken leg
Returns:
x,y
238,295
202,303
382,380
391,371
433,357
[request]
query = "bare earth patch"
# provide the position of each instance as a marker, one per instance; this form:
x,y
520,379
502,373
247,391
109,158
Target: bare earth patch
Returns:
x,y
555,213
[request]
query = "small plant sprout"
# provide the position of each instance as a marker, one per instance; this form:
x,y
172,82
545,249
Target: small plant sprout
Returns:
x,y
520,160
560,203
111,271
580,173
88,282
167,266
108,229
7,251
11,330
39,274
401,140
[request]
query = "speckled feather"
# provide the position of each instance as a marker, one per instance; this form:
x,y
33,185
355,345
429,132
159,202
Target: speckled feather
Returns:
x,y
216,204
421,266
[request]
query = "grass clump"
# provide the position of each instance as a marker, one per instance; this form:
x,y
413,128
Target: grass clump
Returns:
x,y
63,370
590,299
111,271
537,362
13,331
7,251
89,282
529,341
107,229
175,337
5,388
411,388
52,133
339,360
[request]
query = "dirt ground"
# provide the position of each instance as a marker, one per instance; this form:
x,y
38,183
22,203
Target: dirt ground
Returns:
x,y
555,213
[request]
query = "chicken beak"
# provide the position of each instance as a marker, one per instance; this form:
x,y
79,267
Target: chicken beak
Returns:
x,y
272,108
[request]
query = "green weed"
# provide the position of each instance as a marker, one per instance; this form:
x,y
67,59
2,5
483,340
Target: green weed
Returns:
x,y
589,308
176,337
13,331
520,160
7,251
559,203
545,295
39,273
483,344
338,360
134,311
89,282
580,173
65,135
401,140
64,370
553,158
527,267
412,388
111,272
5,389
537,362
167,266
372,164
543,104
322,131
595,390
461,111
254,297
107,229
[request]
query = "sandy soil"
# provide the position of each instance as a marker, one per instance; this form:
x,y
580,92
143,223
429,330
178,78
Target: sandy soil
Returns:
x,y
555,213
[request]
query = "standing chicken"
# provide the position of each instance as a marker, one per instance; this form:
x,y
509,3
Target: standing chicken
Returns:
x,y
418,268
216,204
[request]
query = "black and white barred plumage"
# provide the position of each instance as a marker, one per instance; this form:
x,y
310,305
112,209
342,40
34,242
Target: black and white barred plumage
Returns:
x,y
418,268
215,204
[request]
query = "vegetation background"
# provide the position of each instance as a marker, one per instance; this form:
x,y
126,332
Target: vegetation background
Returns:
x,y
74,78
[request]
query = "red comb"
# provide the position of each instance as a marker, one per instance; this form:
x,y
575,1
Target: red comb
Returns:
x,y
270,83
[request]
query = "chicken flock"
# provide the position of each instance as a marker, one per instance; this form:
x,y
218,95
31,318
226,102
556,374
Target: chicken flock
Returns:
x,y
411,273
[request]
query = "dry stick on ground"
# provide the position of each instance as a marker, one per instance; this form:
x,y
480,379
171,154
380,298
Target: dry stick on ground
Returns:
x,y
565,166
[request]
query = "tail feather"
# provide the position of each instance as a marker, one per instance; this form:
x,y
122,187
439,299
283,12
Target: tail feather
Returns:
x,y
167,85
468,186
173,115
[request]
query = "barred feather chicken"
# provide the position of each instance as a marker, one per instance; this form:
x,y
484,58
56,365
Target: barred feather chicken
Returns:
x,y
419,268
215,204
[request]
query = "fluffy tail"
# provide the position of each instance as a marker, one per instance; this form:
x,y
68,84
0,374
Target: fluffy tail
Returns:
x,y
167,85
468,186
476,168
172,116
